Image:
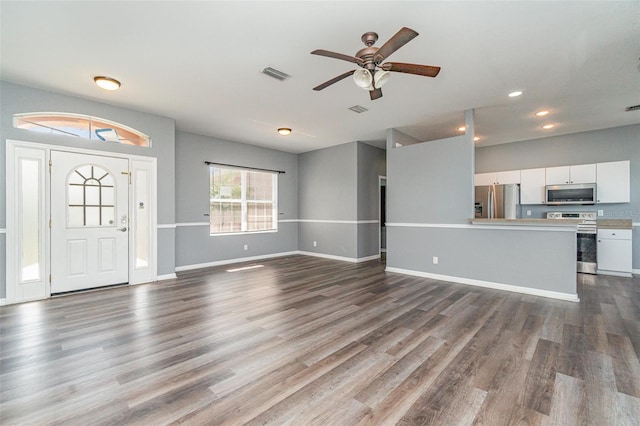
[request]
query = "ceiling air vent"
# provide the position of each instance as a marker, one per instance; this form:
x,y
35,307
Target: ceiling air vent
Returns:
x,y
359,109
278,75
633,108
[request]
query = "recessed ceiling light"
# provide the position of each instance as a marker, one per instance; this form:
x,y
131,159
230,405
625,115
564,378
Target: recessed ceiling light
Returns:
x,y
107,83
548,126
543,113
515,94
462,128
476,139
284,131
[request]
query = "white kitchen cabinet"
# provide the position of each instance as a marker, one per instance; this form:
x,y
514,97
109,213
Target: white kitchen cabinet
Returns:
x,y
532,183
497,178
613,181
481,179
511,176
582,173
614,252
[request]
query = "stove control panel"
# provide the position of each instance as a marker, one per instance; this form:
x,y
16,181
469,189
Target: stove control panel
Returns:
x,y
572,215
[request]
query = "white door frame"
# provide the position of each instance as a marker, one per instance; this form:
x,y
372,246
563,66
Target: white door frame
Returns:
x,y
137,165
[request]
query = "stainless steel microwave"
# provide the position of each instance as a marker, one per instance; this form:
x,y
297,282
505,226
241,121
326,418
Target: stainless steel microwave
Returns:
x,y
578,193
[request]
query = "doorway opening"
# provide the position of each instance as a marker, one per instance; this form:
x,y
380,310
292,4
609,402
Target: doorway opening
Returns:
x,y
382,216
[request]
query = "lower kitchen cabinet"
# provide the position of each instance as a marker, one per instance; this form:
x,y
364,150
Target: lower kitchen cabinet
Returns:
x,y
614,252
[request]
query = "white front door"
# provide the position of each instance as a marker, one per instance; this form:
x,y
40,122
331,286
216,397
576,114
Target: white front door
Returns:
x,y
89,221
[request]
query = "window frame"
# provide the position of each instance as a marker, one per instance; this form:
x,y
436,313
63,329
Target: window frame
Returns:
x,y
92,124
244,201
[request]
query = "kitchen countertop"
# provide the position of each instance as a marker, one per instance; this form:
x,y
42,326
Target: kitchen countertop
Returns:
x,y
601,223
614,224
525,222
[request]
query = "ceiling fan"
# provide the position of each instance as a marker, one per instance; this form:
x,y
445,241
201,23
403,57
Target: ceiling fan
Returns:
x,y
372,74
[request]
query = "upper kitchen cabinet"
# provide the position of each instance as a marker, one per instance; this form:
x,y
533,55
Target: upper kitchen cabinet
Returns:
x,y
532,183
614,182
583,173
497,178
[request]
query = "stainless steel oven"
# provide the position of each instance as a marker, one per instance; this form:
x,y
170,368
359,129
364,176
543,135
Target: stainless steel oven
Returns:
x,y
587,255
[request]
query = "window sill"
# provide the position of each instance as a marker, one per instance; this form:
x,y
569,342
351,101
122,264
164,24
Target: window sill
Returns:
x,y
225,234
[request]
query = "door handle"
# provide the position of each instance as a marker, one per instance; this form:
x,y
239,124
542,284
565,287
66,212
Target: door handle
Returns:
x,y
123,229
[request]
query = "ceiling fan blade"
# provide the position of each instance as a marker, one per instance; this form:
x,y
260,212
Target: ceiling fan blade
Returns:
x,y
335,55
402,37
334,80
375,94
426,70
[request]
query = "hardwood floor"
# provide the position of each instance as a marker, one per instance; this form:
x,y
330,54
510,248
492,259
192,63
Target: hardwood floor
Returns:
x,y
306,341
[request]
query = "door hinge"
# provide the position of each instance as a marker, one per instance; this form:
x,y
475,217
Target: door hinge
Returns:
x,y
49,223
50,164
49,278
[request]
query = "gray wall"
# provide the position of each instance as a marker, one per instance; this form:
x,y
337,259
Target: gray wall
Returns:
x,y
327,191
20,99
535,259
615,144
372,163
194,245
340,183
429,189
327,183
429,182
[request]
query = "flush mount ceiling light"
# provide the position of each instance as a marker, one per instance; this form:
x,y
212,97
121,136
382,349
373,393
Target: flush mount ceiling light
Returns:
x,y
515,94
548,126
284,131
107,83
542,113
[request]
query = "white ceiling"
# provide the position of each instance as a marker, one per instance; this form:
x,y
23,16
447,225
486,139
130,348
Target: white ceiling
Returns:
x,y
199,63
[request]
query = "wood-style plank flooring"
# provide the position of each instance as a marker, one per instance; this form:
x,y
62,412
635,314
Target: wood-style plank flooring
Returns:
x,y
307,341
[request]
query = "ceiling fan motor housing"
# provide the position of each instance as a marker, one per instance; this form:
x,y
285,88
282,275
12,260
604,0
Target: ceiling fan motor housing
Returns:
x,y
369,39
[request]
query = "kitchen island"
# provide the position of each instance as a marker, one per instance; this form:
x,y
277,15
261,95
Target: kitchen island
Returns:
x,y
529,256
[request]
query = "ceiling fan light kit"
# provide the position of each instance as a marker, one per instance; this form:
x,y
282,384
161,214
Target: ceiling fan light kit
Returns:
x,y
372,73
362,78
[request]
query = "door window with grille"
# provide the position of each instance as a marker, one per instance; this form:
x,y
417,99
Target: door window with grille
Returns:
x,y
90,197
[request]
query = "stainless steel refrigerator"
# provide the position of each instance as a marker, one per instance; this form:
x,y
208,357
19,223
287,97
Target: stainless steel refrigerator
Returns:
x,y
498,201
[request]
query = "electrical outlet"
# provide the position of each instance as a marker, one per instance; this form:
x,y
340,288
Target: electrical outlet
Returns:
x,y
600,212
246,247
435,260
528,212
315,244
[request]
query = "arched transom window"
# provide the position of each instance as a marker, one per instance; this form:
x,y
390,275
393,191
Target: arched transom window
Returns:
x,y
81,126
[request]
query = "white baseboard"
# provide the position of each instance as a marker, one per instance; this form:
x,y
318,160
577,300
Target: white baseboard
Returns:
x,y
341,258
3,302
615,273
488,284
269,256
635,271
166,277
230,261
